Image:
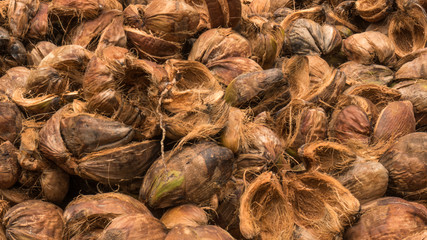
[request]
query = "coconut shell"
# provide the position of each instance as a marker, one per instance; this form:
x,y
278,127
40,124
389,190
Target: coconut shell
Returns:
x,y
395,120
407,166
357,73
395,217
208,232
173,181
40,50
379,95
416,92
89,212
350,124
184,215
225,70
82,8
10,122
19,14
415,69
34,219
373,11
9,165
118,164
134,226
39,25
54,183
219,43
366,180
14,79
370,47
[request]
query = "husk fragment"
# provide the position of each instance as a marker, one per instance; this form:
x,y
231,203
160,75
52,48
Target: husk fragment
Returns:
x,y
9,165
357,73
225,70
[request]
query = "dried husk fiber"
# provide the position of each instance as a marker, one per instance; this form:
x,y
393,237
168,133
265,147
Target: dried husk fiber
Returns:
x,y
186,215
207,232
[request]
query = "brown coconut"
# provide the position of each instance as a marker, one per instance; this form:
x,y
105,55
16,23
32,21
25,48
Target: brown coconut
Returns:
x,y
20,12
34,219
134,226
17,52
191,175
373,11
14,78
88,212
395,120
40,50
29,155
366,180
15,195
357,73
10,122
28,179
113,35
185,215
208,232
223,13
407,166
370,47
225,70
219,43
414,69
55,183
83,9
395,217
39,25
9,165
379,95
416,92
132,15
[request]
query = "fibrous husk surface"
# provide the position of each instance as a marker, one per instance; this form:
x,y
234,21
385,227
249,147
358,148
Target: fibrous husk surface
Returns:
x,y
416,93
9,165
225,70
10,122
82,8
40,50
358,73
373,11
379,95
207,232
414,69
184,215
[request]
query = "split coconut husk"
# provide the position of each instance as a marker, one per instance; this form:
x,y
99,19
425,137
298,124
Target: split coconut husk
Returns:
x,y
9,165
82,8
357,73
14,78
113,35
416,92
373,11
185,215
224,13
88,212
379,95
40,50
34,219
10,122
407,166
208,232
28,179
225,70
370,47
219,43
365,104
414,69
395,217
134,226
19,13
39,25
366,180
191,175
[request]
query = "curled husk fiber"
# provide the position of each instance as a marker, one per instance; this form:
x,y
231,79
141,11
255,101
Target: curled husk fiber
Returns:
x,y
40,50
373,11
187,215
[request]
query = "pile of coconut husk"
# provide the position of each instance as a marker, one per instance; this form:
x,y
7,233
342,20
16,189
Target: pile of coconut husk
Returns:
x,y
208,119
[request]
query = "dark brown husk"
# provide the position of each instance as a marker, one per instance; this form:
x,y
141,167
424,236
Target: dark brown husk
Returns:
x,y
19,14
54,183
373,11
39,25
9,165
10,122
14,78
40,50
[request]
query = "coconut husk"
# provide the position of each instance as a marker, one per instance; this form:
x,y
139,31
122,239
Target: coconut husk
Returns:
x,y
13,79
379,95
172,181
264,210
19,13
408,28
259,7
395,120
370,47
15,195
4,35
10,122
113,35
185,215
38,28
365,104
395,217
93,234
28,179
345,18
366,180
172,20
357,73
29,156
9,165
17,51
419,235
152,47
132,15
219,43
55,183
4,207
225,70
118,164
82,9
415,91
134,226
88,212
306,37
317,68
373,11
34,219
223,13
405,161
208,232
46,80
40,50
415,69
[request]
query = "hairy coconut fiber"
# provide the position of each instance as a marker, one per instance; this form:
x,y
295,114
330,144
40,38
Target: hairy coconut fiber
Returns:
x,y
14,78
9,165
366,180
208,232
39,51
370,47
118,164
132,15
419,235
406,161
223,13
86,9
379,95
88,212
373,11
34,219
225,70
350,123
19,13
10,122
317,68
28,179
191,104
306,37
185,215
388,218
46,80
219,43
134,226
395,120
172,20
191,175
408,28
414,69
416,92
357,73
